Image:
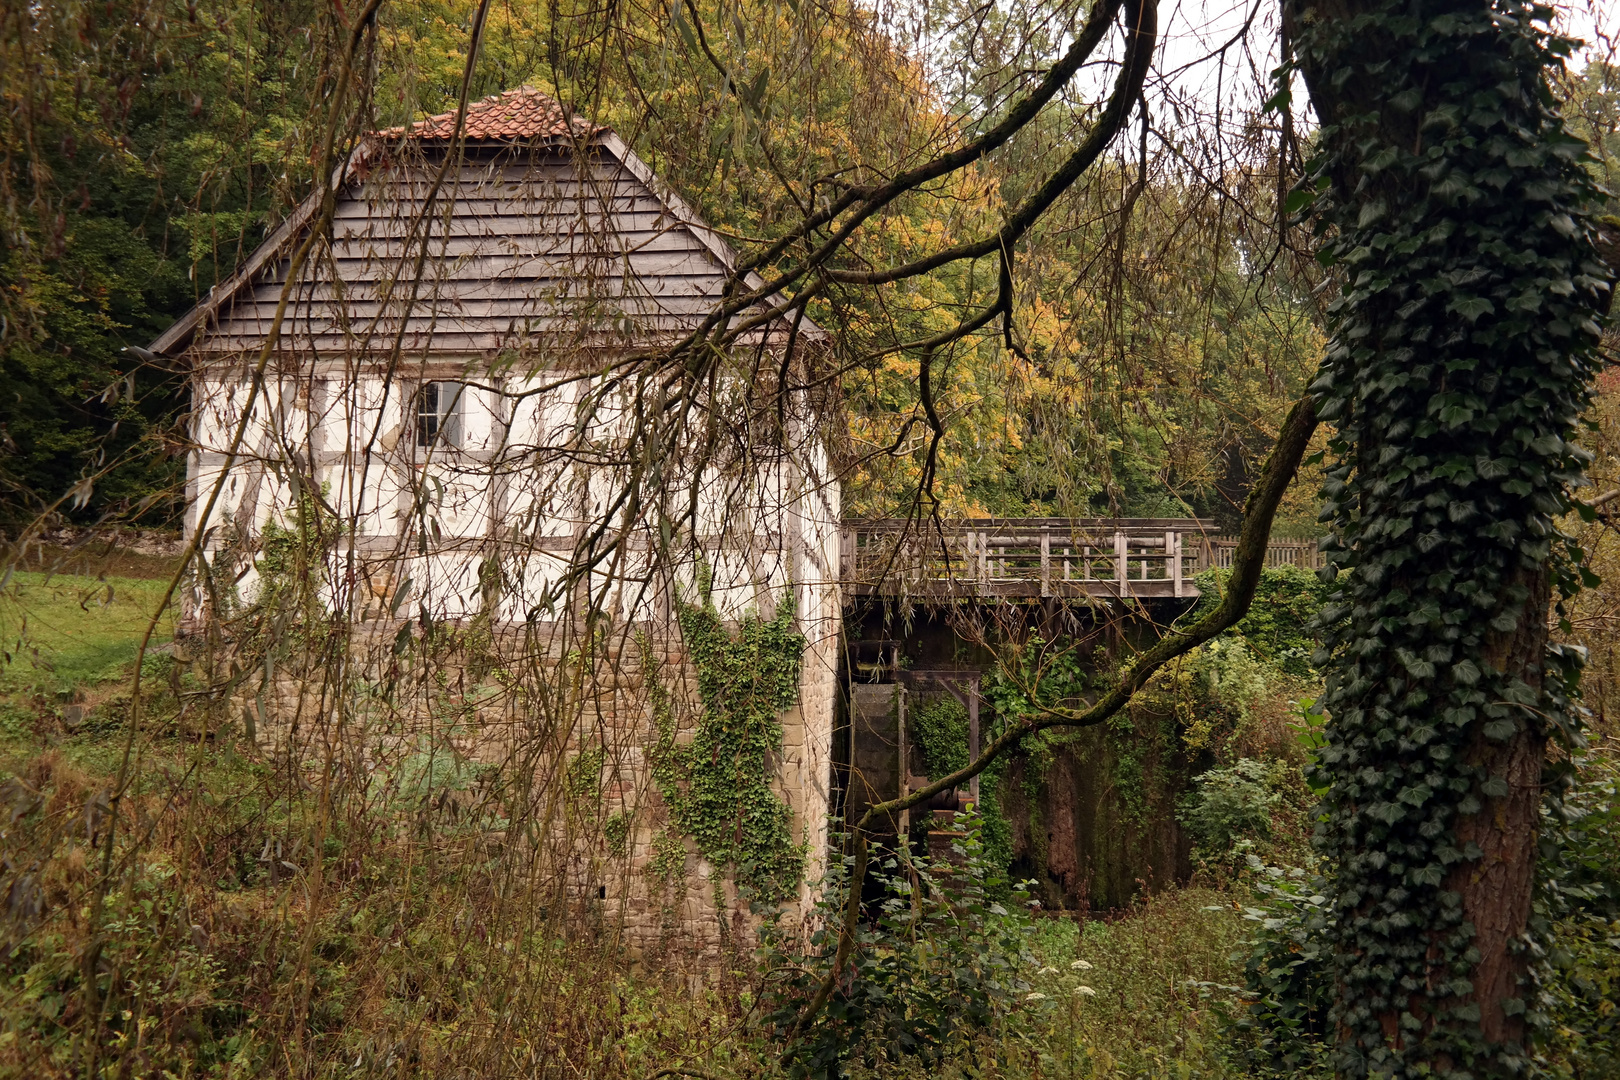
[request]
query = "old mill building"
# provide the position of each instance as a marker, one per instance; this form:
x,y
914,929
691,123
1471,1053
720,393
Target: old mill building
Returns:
x,y
455,396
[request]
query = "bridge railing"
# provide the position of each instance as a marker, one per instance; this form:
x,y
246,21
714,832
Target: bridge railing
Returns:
x,y
1043,557
1285,552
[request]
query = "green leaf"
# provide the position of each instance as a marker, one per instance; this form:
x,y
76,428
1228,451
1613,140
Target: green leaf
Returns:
x,y
1548,445
1298,199
1371,212
756,93
684,30
1471,308
401,594
1279,101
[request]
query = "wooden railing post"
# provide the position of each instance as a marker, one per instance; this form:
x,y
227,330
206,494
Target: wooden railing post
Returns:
x,y
905,758
1122,565
1000,556
1046,561
1172,548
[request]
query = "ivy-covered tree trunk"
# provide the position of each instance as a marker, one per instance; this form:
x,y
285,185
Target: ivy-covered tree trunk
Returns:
x,y
1464,342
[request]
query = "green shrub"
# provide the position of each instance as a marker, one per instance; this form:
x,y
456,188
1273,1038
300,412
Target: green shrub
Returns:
x,y
1229,805
1584,1035
939,962
1247,809
1287,974
1138,996
1580,980
1278,625
938,726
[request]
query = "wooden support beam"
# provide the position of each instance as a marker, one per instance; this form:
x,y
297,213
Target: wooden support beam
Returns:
x,y
904,781
1172,544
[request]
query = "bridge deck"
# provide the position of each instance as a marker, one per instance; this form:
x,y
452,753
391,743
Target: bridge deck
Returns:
x,y
1030,558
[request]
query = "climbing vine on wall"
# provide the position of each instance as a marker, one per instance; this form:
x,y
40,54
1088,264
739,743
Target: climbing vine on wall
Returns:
x,y
718,786
1463,343
1036,676
286,613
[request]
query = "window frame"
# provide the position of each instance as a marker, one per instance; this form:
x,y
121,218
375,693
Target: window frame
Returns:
x,y
449,420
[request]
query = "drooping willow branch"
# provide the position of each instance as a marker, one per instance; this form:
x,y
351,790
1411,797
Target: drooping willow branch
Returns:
x,y
1248,560
359,32
683,369
859,203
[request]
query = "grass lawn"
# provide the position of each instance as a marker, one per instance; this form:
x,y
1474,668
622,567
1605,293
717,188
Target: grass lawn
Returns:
x,y
61,632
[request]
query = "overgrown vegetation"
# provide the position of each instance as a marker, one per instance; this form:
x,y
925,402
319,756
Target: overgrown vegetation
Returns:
x,y
960,975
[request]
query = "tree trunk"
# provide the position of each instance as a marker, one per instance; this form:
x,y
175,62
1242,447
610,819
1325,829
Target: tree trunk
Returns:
x,y
1463,347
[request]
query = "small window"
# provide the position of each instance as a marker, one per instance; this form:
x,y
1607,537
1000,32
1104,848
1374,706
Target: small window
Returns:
x,y
438,415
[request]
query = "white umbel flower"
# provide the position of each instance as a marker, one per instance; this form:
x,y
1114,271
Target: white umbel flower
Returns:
x,y
1084,991
1080,965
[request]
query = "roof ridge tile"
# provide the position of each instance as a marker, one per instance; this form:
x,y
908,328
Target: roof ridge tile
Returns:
x,y
519,113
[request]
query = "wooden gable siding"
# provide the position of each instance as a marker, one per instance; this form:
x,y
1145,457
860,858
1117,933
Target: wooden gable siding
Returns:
x,y
518,251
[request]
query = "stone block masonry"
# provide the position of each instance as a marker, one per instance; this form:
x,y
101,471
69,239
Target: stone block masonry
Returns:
x,y
543,750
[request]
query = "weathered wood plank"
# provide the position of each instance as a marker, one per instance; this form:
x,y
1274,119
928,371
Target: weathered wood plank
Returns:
x,y
605,244
549,167
553,203
577,226
604,335
515,267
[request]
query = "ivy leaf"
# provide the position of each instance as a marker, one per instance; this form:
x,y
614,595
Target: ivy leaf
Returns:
x,y
1298,199
1371,213
1472,307
1407,100
1453,415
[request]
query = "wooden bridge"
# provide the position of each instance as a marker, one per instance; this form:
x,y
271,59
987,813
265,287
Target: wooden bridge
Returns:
x,y
1106,558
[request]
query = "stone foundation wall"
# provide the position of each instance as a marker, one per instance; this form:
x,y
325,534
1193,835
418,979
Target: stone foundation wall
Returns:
x,y
449,724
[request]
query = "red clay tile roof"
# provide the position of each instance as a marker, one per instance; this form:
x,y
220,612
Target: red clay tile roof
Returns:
x,y
517,114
